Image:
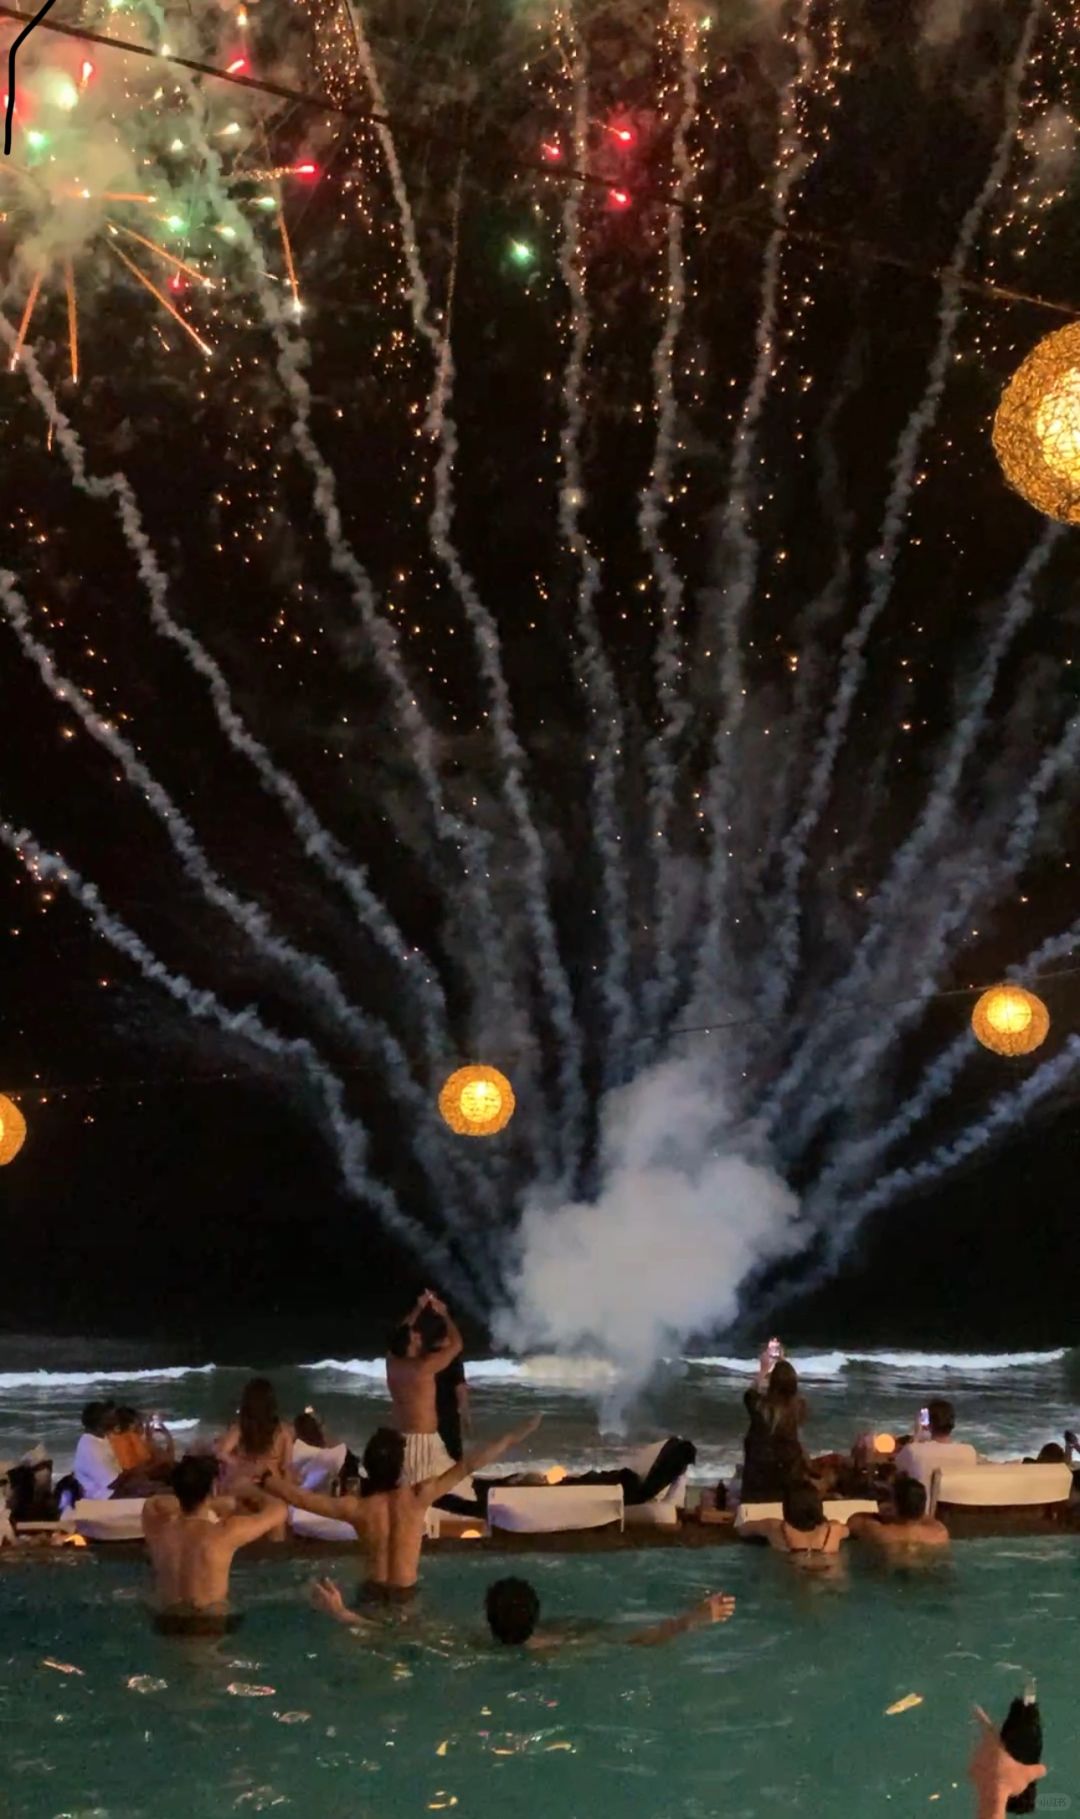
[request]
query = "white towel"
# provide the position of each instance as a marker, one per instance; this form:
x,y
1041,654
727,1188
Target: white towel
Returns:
x,y
425,1457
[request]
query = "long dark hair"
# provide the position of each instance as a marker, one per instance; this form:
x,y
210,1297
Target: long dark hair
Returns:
x,y
259,1418
784,1407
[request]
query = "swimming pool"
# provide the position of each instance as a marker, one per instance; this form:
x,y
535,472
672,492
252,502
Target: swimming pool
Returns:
x,y
780,1712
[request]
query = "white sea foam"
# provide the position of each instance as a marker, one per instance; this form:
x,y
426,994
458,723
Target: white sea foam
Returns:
x,y
49,1380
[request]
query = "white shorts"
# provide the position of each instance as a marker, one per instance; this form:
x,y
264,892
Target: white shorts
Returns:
x,y
425,1457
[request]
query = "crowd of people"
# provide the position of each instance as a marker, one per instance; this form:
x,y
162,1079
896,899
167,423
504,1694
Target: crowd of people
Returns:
x,y
201,1509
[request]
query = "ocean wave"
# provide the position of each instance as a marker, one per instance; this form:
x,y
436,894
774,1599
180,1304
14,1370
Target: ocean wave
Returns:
x,y
956,1363
17,1380
541,1371
814,1364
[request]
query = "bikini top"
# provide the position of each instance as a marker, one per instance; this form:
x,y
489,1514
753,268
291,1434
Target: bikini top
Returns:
x,y
808,1551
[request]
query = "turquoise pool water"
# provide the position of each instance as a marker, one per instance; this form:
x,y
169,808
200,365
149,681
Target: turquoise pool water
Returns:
x,y
780,1712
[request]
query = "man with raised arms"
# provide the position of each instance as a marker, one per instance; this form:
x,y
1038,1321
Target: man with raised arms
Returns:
x,y
389,1514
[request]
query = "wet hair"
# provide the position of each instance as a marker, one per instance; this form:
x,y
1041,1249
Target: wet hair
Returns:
x,y
308,1428
512,1609
384,1457
193,1480
126,1419
942,1417
399,1341
910,1498
1051,1454
96,1416
259,1418
802,1508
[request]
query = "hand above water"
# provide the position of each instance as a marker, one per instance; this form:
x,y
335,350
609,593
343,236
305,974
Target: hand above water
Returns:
x,y
718,1607
994,1773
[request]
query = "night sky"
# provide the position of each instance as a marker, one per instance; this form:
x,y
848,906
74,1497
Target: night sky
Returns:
x,y
178,1182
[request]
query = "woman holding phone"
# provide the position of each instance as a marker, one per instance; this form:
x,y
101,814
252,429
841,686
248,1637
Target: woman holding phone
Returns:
x,y
773,1455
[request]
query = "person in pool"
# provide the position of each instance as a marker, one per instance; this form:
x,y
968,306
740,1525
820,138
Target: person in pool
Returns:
x,y
512,1608
909,1525
388,1515
192,1537
803,1532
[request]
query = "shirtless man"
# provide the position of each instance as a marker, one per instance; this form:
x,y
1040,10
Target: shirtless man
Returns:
x,y
411,1370
389,1519
192,1537
910,1527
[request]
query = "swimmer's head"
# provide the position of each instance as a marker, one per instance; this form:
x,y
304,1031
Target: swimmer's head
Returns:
x,y
99,1418
803,1508
910,1498
942,1418
384,1457
513,1609
193,1480
308,1428
405,1342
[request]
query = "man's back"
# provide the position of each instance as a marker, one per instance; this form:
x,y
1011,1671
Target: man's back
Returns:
x,y
411,1383
390,1528
191,1557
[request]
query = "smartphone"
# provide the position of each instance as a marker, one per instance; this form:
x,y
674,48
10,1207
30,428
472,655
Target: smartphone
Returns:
x,y
924,1421
775,1350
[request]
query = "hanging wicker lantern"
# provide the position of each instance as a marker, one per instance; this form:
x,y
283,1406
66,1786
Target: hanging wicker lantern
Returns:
x,y
12,1130
477,1101
1010,1020
1037,426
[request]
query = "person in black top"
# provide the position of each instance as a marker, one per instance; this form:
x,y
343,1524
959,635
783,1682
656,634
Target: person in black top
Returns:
x,y
773,1456
451,1388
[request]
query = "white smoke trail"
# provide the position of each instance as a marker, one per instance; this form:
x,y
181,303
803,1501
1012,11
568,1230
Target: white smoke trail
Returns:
x,y
312,974
292,353
441,429
668,660
881,562
317,842
1006,1111
350,1137
598,682
738,543
891,907
681,1220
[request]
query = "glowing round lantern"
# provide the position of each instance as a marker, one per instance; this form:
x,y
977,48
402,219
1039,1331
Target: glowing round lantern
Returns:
x,y
1037,426
12,1130
1010,1020
885,1444
477,1101
555,1474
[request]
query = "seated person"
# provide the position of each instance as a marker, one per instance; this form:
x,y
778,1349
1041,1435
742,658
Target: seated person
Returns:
x,y
143,1469
512,1608
802,1532
317,1465
192,1537
906,1525
96,1466
258,1442
939,1451
1050,1454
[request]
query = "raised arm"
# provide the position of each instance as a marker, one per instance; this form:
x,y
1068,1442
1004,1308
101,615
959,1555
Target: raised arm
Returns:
x,y
994,1774
716,1608
451,1346
256,1515
432,1489
339,1509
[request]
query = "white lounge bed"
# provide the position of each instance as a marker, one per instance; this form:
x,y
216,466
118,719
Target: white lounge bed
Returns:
x,y
109,1518
1000,1486
553,1509
837,1509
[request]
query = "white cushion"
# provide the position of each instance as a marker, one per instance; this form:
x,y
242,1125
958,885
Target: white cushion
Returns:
x,y
109,1519
837,1509
995,1486
553,1508
317,1466
659,1513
